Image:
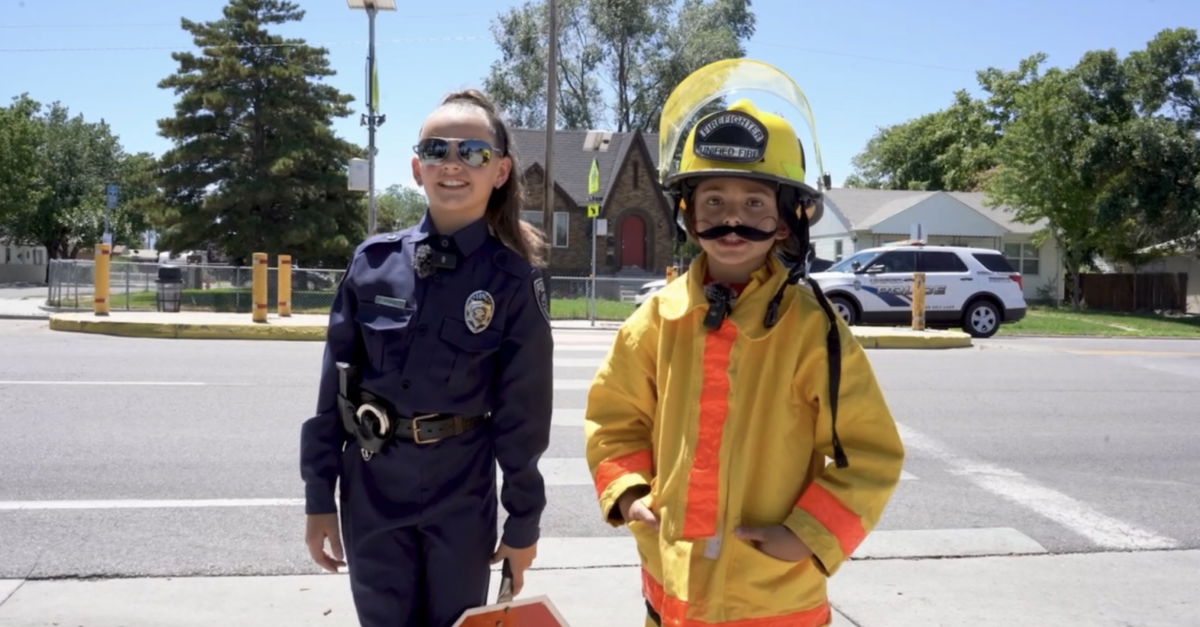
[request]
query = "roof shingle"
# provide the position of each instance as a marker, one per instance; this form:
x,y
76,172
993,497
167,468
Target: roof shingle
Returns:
x,y
572,163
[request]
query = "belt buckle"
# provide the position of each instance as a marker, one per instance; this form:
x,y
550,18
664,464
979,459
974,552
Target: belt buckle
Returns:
x,y
416,430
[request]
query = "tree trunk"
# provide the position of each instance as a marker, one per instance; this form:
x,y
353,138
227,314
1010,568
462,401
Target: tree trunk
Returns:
x,y
1077,293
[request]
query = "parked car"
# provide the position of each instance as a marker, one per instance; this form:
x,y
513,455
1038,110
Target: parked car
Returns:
x,y
974,288
647,290
310,280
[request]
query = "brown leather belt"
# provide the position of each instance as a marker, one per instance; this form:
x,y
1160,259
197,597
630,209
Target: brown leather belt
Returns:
x,y
372,421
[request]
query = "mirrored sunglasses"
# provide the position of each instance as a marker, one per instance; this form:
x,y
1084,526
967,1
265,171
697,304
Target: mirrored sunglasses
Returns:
x,y
473,152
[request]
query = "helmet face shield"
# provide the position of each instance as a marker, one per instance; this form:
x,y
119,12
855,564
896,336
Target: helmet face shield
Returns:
x,y
740,141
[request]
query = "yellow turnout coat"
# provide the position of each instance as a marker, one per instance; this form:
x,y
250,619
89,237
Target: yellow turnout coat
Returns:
x,y
732,427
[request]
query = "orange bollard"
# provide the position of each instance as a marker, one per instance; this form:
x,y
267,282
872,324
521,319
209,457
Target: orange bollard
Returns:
x,y
918,301
259,289
100,300
285,285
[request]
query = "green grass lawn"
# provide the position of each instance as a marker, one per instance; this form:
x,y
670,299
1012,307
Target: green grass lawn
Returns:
x,y
577,309
560,308
1066,321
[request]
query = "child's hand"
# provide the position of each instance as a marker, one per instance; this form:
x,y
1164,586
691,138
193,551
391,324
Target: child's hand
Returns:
x,y
633,508
322,528
777,541
519,560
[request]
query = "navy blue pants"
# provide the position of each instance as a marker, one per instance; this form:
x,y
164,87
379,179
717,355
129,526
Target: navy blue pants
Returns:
x,y
420,577
419,525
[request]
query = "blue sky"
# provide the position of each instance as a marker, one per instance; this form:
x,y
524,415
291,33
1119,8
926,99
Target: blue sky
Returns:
x,y
864,64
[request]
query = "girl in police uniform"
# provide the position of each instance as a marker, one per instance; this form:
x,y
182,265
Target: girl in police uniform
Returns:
x,y
447,325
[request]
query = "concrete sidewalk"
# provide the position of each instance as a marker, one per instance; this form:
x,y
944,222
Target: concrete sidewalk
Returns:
x,y
1096,589
24,307
201,325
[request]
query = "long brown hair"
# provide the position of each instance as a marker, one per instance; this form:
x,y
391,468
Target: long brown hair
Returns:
x,y
504,205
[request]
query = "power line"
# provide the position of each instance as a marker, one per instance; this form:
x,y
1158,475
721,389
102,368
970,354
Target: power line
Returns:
x,y
405,40
176,24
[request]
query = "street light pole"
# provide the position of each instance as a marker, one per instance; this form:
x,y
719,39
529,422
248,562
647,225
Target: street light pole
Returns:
x,y
371,221
371,120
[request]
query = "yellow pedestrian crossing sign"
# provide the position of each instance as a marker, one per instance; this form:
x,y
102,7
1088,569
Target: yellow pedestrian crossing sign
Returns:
x,y
594,179
594,210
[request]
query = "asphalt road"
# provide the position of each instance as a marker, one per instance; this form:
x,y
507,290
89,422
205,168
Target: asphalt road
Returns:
x,y
129,457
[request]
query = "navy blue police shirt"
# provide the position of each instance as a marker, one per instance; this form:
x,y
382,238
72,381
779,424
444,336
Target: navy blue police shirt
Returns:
x,y
428,345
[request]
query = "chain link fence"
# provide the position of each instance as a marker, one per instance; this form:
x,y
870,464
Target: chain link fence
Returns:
x,y
134,287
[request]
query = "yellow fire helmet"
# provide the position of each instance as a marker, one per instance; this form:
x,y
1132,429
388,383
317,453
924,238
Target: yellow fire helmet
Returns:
x,y
745,142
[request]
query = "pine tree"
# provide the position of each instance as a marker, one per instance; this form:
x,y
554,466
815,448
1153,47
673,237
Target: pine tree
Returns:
x,y
255,165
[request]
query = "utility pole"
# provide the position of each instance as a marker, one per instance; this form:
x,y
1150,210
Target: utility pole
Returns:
x,y
551,122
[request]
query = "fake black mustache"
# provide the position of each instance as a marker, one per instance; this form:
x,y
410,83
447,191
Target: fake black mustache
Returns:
x,y
741,230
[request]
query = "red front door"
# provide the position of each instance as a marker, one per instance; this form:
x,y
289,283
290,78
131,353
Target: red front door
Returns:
x,y
633,242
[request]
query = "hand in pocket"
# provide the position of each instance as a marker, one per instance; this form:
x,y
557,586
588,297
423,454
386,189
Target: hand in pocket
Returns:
x,y
777,541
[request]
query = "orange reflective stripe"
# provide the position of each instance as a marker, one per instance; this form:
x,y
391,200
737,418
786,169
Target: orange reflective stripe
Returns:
x,y
704,479
610,470
674,611
840,520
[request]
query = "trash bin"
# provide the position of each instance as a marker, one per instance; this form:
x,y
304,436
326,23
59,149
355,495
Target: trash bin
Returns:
x,y
170,288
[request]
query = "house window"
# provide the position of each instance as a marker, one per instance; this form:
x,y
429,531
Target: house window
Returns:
x,y
562,225
637,169
38,257
1023,257
534,217
837,250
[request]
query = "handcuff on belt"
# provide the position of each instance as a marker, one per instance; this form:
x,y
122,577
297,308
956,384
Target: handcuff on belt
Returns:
x,y
367,418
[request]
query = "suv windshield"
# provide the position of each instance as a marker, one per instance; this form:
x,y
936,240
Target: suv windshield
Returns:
x,y
847,265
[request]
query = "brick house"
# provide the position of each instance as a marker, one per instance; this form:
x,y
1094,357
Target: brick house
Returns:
x,y
639,239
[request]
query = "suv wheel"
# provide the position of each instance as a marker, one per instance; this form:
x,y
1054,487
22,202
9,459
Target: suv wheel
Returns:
x,y
981,319
844,308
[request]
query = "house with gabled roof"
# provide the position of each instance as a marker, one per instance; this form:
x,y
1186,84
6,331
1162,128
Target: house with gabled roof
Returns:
x,y
856,219
639,236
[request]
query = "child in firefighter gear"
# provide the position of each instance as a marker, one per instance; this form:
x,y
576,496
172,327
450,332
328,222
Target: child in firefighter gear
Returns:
x,y
442,334
710,423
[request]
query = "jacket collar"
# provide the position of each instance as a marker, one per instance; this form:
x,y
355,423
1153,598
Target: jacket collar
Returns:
x,y
686,294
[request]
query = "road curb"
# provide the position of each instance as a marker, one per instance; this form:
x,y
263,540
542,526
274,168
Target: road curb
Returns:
x,y
192,331
868,338
173,326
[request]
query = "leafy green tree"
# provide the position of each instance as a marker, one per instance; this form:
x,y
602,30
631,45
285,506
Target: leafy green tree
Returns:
x,y
400,207
77,160
948,150
21,186
1165,77
54,173
619,59
255,165
140,207
1045,171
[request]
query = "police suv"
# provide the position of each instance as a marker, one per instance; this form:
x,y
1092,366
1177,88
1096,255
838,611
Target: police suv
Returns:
x,y
972,287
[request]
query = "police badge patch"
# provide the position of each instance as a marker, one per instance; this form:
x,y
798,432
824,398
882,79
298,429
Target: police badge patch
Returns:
x,y
478,311
539,294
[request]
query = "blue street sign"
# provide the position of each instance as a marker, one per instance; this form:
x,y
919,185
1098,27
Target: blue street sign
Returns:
x,y
113,191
